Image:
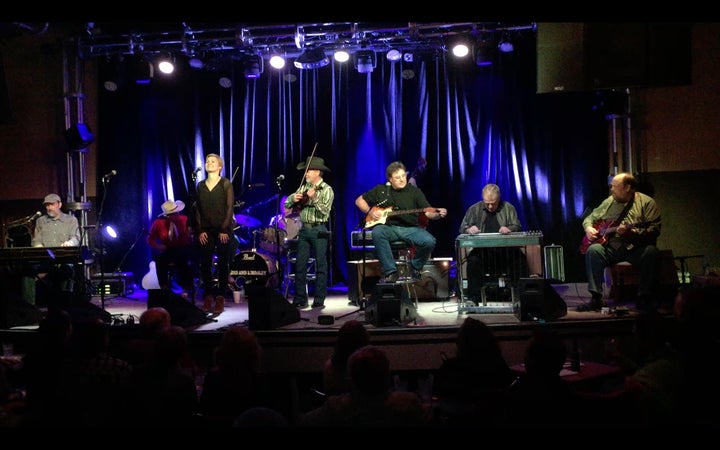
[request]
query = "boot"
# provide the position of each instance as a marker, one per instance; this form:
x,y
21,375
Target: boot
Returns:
x,y
219,304
207,302
595,304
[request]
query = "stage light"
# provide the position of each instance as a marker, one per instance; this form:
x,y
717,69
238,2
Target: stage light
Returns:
x,y
364,61
253,66
393,55
312,58
166,65
460,50
277,61
484,53
341,56
110,232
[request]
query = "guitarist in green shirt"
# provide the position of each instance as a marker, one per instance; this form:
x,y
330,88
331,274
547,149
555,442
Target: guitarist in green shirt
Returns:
x,y
624,227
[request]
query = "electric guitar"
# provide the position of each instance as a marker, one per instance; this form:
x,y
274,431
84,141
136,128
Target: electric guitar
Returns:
x,y
605,229
387,212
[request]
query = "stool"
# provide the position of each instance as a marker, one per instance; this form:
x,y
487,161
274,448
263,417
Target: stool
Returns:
x,y
622,279
621,282
290,274
405,253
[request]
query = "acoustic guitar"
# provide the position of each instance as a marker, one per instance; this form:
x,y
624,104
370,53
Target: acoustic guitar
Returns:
x,y
388,212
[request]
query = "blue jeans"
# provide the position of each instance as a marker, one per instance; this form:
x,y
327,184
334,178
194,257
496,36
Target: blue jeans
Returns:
x,y
312,241
383,235
646,259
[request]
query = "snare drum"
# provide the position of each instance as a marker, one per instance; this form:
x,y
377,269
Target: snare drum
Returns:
x,y
256,268
269,239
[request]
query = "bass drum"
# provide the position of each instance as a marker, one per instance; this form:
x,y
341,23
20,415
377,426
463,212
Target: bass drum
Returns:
x,y
255,268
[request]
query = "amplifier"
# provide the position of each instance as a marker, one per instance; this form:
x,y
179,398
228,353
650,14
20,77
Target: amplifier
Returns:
x,y
434,284
116,283
356,240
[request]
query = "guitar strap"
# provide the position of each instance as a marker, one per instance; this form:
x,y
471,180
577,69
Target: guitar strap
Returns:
x,y
625,211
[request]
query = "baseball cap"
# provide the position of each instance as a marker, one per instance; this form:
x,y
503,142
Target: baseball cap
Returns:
x,y
51,198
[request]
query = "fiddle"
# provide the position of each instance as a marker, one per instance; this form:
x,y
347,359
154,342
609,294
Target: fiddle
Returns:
x,y
300,204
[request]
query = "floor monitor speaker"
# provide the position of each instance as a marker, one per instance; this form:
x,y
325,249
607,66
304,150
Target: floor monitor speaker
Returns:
x,y
182,312
268,309
537,300
390,305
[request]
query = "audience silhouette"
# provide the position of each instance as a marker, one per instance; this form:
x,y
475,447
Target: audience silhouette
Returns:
x,y
371,402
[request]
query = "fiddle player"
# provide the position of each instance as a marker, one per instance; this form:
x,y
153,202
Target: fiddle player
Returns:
x,y
313,199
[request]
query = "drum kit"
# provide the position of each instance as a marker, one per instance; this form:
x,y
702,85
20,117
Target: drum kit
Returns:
x,y
263,249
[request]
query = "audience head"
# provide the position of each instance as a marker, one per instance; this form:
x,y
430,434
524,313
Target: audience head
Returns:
x,y
475,338
545,354
351,336
239,349
154,320
172,344
56,327
369,370
260,417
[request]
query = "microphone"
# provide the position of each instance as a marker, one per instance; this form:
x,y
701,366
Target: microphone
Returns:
x,y
256,185
280,177
197,170
112,173
35,216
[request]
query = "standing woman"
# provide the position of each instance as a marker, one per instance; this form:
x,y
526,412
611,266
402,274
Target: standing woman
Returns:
x,y
214,224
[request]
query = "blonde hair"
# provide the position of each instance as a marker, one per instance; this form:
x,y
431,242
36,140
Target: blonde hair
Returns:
x,y
218,157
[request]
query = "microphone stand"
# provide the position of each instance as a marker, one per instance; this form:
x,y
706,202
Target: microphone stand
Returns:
x,y
101,247
280,216
118,269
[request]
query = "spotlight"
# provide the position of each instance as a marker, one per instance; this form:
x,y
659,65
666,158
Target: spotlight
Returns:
x,y
393,55
460,50
109,231
166,66
364,61
253,66
505,45
312,58
196,63
341,56
277,61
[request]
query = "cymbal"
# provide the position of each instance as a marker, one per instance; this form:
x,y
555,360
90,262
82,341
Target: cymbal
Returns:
x,y
247,221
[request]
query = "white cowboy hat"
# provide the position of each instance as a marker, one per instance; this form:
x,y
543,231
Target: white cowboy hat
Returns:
x,y
170,207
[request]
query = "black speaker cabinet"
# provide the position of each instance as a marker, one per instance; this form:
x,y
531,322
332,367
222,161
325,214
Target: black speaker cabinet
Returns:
x,y
537,300
390,305
182,312
268,309
609,55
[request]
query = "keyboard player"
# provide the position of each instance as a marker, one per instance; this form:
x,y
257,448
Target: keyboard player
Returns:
x,y
490,215
54,229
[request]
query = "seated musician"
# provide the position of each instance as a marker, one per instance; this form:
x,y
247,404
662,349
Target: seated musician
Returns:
x,y
490,215
398,196
56,229
170,240
288,221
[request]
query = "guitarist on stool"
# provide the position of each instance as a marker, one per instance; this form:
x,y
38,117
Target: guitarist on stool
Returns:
x,y
392,212
624,227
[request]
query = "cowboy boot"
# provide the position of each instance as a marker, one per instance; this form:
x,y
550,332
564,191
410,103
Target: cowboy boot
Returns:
x,y
207,302
219,304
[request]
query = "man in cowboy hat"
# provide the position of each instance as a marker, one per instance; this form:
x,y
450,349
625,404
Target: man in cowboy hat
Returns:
x,y
170,239
313,200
